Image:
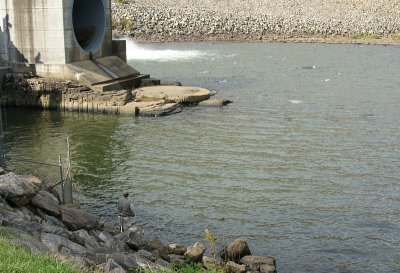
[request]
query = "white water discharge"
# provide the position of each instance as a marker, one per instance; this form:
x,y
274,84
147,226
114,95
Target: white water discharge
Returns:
x,y
295,101
135,52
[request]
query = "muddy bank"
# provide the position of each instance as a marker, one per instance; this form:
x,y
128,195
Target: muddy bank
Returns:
x,y
357,21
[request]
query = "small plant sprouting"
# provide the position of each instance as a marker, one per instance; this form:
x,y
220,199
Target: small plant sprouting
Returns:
x,y
209,236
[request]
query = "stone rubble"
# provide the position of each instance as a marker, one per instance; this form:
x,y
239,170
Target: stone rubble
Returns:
x,y
81,239
376,21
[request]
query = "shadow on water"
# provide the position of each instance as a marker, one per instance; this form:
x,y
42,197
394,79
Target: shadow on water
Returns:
x,y
42,135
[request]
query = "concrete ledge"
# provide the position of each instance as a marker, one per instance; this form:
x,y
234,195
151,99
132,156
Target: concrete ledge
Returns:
x,y
180,94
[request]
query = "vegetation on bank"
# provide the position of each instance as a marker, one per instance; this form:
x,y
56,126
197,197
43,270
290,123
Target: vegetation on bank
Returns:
x,y
16,259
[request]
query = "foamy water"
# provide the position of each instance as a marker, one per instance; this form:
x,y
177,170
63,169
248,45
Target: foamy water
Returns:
x,y
295,101
135,51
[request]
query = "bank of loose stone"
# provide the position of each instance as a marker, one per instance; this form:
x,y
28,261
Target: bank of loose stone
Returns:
x,y
81,239
282,20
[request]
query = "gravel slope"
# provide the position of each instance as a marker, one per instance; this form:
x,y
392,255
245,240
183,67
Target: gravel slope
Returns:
x,y
293,20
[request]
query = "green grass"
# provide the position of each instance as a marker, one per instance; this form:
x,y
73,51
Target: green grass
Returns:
x,y
396,35
366,36
14,259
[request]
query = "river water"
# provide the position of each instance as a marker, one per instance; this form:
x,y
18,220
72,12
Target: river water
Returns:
x,y
304,165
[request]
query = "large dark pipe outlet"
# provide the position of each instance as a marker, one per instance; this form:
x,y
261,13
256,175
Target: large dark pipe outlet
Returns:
x,y
89,23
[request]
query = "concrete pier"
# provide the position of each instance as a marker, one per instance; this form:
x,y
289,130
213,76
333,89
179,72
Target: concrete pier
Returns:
x,y
68,39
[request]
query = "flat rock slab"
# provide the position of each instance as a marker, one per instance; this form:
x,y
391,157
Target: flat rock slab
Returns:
x,y
180,94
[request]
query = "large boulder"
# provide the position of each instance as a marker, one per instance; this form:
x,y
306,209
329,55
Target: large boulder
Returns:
x,y
55,243
176,249
97,257
126,261
195,253
48,227
83,238
53,225
26,214
16,189
33,179
211,264
47,202
146,255
32,228
161,264
76,261
176,259
23,239
235,251
149,265
132,238
76,219
262,264
111,243
21,219
232,267
113,267
159,247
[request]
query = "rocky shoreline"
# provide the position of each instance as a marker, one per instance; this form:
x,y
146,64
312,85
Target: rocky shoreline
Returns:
x,y
32,217
356,21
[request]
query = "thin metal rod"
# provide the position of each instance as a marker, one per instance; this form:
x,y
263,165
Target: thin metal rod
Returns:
x,y
34,162
62,179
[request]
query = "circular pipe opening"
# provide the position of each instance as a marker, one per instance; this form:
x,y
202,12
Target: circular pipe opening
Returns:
x,y
89,23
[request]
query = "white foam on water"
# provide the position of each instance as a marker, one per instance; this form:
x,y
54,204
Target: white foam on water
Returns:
x,y
295,101
135,52
231,55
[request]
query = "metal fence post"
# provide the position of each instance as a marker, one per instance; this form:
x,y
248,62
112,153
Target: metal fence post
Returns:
x,y
61,179
66,187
